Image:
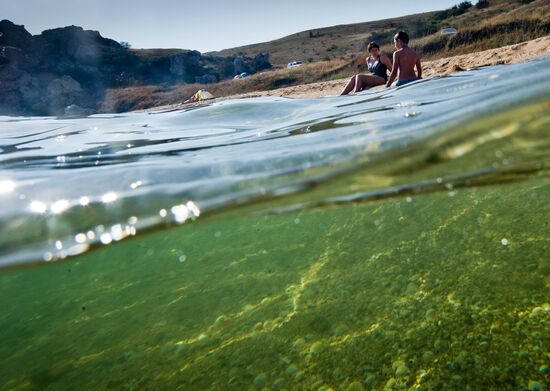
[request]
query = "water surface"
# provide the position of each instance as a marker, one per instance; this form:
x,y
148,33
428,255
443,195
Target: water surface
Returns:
x,y
386,240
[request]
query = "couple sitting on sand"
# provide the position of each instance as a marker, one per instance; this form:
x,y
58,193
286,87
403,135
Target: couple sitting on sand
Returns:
x,y
404,61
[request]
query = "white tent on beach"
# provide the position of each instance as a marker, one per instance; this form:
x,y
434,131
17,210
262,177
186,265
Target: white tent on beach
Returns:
x,y
199,96
202,95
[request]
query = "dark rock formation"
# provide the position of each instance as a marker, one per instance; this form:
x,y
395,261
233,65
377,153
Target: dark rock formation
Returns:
x,y
46,73
14,35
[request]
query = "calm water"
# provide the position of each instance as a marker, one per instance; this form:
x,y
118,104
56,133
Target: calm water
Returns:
x,y
395,239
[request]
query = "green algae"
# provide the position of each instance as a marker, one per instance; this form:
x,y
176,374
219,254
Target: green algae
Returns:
x,y
404,292
442,284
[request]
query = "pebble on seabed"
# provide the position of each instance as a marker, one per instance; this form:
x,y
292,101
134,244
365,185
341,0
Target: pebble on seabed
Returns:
x,y
355,386
370,379
536,312
535,386
260,380
316,348
299,343
391,383
292,370
400,368
279,383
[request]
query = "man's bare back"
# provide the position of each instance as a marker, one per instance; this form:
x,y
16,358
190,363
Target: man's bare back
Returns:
x,y
404,61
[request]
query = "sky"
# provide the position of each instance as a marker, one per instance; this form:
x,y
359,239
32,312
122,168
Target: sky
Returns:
x,y
204,25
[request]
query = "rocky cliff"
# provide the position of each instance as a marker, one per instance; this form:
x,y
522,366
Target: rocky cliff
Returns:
x,y
44,74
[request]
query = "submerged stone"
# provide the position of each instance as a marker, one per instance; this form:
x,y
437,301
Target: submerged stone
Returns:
x,y
299,344
536,386
292,370
400,368
317,347
391,384
370,379
278,383
355,386
260,380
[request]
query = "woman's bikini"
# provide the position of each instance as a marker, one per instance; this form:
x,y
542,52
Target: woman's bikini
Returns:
x,y
378,68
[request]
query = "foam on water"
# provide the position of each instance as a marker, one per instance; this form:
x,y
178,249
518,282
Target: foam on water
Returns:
x,y
70,183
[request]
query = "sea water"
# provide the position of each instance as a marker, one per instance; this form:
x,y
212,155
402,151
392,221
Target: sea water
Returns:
x,y
395,239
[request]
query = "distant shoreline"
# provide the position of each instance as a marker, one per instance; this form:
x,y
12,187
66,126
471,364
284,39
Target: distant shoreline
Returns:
x,y
521,52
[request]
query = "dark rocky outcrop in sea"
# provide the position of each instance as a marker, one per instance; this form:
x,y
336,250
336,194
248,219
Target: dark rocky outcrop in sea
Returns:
x,y
44,74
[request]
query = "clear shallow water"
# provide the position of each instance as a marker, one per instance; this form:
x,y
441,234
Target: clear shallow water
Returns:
x,y
388,240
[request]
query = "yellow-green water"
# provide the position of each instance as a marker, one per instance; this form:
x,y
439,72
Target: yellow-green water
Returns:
x,y
436,291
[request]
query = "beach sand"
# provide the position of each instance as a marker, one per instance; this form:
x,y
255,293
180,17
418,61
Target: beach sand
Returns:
x,y
521,52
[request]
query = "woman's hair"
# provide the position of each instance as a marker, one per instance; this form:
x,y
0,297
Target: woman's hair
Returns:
x,y
372,45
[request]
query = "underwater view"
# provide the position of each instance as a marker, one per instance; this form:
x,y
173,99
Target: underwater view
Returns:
x,y
390,240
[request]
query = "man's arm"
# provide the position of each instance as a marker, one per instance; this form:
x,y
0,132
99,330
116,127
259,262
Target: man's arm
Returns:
x,y
394,70
418,68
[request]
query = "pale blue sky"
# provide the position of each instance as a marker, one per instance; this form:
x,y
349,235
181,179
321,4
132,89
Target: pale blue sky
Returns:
x,y
204,25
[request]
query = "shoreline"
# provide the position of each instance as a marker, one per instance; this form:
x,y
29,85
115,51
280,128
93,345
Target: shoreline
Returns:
x,y
511,54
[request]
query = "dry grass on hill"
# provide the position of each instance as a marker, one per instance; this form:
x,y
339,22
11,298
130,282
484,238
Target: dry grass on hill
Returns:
x,y
487,35
142,97
346,42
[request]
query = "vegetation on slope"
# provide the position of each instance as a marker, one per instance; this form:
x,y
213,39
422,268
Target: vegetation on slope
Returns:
x,y
345,42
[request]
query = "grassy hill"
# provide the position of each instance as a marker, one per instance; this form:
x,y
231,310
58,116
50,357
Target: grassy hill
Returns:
x,y
345,42
323,44
339,51
330,43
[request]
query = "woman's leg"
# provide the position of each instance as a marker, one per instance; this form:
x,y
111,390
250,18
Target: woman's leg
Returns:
x,y
364,82
351,84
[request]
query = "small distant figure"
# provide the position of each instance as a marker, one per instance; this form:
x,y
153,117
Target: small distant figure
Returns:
x,y
404,61
378,63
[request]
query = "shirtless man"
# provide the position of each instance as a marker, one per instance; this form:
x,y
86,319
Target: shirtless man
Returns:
x,y
404,61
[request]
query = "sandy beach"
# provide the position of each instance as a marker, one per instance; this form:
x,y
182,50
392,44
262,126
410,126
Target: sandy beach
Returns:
x,y
521,52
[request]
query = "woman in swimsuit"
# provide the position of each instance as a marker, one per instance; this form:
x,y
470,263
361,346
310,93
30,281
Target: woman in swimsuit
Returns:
x,y
379,64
